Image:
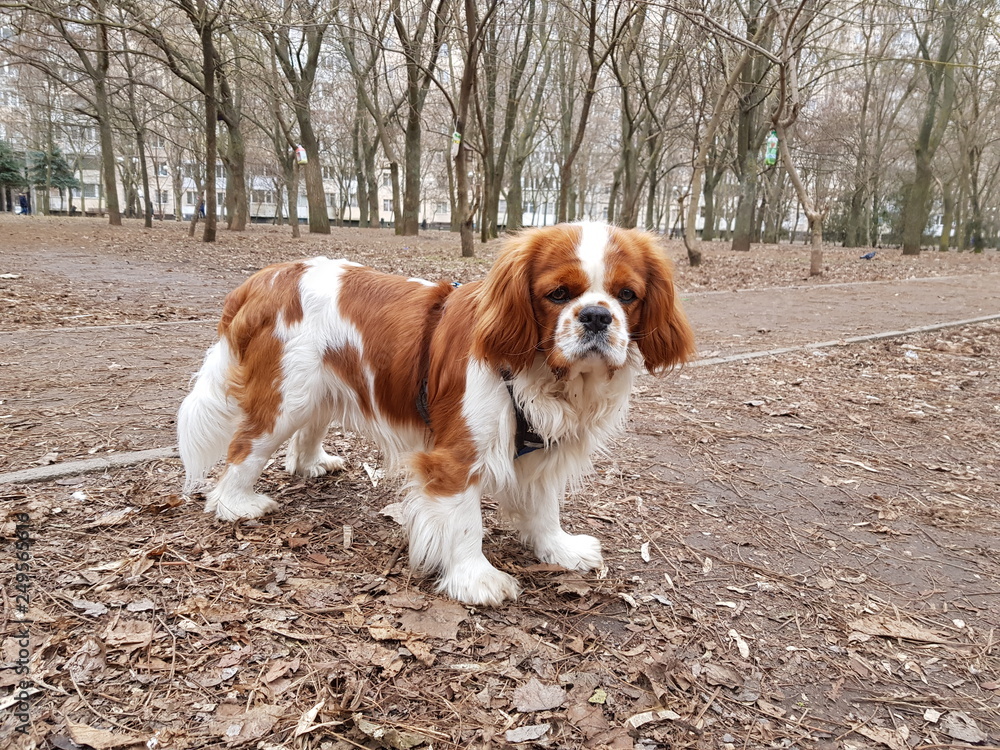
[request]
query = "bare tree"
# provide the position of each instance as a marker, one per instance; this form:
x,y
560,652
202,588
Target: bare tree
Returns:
x,y
86,34
937,114
793,26
708,138
603,24
297,39
420,55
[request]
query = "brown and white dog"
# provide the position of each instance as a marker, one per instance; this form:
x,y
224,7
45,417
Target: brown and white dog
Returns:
x,y
455,384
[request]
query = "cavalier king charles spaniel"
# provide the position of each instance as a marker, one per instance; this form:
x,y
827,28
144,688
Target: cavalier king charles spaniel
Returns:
x,y
505,387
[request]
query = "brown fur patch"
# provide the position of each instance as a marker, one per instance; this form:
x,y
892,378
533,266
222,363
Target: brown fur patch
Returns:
x,y
346,363
514,319
656,320
446,470
397,319
249,318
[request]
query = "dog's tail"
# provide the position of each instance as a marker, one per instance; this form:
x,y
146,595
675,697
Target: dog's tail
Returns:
x,y
207,418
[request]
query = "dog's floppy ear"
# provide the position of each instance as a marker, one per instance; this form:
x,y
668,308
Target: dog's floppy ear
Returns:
x,y
664,336
505,333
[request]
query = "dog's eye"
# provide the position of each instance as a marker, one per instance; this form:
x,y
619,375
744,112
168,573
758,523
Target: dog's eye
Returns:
x,y
626,295
559,295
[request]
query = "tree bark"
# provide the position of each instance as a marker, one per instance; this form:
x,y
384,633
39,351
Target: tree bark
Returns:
x,y
940,101
947,217
418,81
690,228
211,134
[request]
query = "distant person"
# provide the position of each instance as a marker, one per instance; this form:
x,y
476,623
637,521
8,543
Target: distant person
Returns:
x,y
22,201
201,206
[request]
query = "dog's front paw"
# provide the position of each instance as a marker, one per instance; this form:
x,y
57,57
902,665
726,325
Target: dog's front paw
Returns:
x,y
317,467
479,583
230,507
572,551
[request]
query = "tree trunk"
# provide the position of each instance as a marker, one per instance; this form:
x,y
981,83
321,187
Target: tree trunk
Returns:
x,y
236,183
319,221
515,196
690,230
107,154
816,253
102,106
465,212
708,225
743,229
408,224
147,200
852,231
916,208
293,199
977,242
947,218
360,182
937,114
211,134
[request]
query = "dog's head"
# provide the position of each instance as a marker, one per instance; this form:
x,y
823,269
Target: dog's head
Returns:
x,y
579,293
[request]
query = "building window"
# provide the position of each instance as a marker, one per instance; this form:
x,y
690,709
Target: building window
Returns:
x,y
162,171
328,173
442,208
162,197
331,200
261,196
190,198
502,208
387,204
220,171
386,180
91,190
220,199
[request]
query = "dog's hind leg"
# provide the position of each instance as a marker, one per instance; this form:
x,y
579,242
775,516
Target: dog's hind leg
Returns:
x,y
233,497
207,419
305,455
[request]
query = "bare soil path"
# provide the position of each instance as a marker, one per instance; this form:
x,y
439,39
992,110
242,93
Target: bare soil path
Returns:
x,y
802,551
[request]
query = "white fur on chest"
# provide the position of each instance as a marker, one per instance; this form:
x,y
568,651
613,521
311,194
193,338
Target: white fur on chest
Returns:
x,y
589,405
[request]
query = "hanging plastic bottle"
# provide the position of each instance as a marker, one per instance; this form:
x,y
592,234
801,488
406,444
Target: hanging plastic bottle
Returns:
x,y
300,155
771,149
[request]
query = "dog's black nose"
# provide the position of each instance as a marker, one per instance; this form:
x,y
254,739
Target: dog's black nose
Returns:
x,y
595,318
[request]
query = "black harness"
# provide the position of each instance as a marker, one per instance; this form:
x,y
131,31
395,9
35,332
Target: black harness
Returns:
x,y
526,439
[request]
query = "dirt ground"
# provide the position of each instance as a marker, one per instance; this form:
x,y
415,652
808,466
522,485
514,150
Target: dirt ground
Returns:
x,y
801,550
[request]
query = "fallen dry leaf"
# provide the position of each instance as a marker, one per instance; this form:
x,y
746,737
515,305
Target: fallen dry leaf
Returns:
x,y
91,609
130,634
88,662
440,620
528,733
534,696
305,722
887,628
389,736
647,717
247,727
101,739
960,726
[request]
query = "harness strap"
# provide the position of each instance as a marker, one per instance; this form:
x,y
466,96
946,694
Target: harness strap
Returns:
x,y
526,439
